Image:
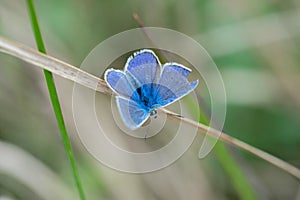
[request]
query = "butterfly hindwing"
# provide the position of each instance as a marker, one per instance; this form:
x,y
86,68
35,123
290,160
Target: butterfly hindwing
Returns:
x,y
131,112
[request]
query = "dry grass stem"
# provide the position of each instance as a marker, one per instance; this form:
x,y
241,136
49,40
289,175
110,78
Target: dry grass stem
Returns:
x,y
79,76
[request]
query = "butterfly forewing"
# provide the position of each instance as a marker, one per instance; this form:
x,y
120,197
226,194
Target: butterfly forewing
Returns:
x,y
118,82
143,70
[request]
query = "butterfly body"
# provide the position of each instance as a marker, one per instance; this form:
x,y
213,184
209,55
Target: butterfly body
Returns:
x,y
144,86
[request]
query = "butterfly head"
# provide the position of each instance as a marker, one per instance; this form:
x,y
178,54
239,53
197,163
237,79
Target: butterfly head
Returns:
x,y
153,112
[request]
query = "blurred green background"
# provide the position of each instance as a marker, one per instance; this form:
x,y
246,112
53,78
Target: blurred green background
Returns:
x,y
255,45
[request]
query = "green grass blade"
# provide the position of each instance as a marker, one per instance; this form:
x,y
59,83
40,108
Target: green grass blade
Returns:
x,y
234,172
54,99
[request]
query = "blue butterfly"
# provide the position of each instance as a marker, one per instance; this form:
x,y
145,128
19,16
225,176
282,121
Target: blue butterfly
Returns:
x,y
145,85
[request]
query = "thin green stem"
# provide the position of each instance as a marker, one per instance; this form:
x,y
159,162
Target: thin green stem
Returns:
x,y
54,99
237,177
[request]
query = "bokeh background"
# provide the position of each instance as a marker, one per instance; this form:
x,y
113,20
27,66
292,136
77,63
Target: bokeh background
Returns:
x,y
255,45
